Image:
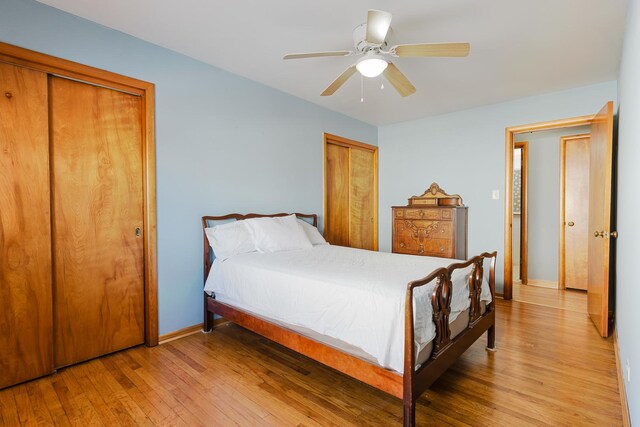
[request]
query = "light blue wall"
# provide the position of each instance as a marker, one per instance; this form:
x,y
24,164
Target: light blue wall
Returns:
x,y
543,184
464,153
628,242
224,143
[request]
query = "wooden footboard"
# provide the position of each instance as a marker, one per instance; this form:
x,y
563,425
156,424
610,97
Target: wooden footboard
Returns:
x,y
446,350
416,379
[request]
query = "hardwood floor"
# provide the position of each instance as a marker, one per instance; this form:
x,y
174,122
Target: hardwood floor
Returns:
x,y
551,368
565,299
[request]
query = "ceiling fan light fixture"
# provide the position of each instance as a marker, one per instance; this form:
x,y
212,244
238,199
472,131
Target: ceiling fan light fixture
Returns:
x,y
371,66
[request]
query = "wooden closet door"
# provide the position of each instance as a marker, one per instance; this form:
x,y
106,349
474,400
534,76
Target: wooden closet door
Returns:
x,y
336,224
96,144
361,199
350,193
26,347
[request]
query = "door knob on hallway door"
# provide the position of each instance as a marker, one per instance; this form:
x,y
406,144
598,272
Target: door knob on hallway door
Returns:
x,y
598,234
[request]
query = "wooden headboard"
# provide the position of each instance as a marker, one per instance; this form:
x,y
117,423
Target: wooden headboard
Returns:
x,y
313,218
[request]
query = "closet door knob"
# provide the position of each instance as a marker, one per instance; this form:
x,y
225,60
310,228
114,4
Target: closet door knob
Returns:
x,y
138,231
571,224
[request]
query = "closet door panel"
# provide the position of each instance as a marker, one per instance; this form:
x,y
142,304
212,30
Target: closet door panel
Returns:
x,y
26,347
361,199
96,144
336,227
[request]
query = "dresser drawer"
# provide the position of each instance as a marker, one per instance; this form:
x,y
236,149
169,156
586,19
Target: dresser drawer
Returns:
x,y
425,213
431,247
423,229
438,247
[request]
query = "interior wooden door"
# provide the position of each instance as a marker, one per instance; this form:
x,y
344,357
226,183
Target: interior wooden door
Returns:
x,y
336,222
575,224
350,193
600,165
97,173
361,199
26,345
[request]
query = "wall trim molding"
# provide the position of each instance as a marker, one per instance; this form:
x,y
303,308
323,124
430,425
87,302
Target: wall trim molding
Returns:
x,y
189,330
626,418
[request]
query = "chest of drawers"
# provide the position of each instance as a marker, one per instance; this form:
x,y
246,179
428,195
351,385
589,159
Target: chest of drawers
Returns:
x,y
434,224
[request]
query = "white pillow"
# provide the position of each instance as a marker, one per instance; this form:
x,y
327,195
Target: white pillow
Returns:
x,y
274,234
230,239
312,233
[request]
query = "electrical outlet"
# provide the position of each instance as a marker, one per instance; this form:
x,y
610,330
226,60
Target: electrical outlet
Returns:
x,y
495,194
628,366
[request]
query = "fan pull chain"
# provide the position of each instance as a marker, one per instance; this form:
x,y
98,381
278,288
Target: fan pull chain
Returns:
x,y
361,88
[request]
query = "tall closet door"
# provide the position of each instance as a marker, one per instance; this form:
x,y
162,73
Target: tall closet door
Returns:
x,y
350,193
361,199
25,243
336,221
97,196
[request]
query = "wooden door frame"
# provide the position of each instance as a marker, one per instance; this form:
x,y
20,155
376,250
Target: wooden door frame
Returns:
x,y
561,237
68,69
524,218
350,143
510,132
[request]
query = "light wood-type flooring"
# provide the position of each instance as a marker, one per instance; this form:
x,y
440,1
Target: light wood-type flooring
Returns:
x,y
565,299
551,368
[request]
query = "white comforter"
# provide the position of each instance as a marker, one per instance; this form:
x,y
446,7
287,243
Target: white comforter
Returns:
x,y
353,295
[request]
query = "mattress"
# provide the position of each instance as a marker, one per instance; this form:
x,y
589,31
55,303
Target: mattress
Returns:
x,y
350,296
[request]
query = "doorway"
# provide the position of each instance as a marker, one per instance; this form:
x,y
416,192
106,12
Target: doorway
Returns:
x,y
600,200
538,203
520,224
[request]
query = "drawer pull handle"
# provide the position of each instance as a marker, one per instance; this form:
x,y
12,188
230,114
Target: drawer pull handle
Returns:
x,y
402,245
441,248
421,251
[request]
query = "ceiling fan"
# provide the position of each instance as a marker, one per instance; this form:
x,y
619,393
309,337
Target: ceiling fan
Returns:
x,y
370,40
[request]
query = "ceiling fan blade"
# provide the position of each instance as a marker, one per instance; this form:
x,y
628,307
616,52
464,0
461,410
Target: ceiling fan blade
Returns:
x,y
317,54
378,22
337,83
431,49
398,80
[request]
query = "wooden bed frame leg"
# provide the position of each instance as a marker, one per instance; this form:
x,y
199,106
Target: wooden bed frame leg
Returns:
x,y
491,338
409,418
207,325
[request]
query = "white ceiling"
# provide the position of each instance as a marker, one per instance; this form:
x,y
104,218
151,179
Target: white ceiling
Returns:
x,y
518,47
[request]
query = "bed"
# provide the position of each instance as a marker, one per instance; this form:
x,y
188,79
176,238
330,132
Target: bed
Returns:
x,y
367,314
